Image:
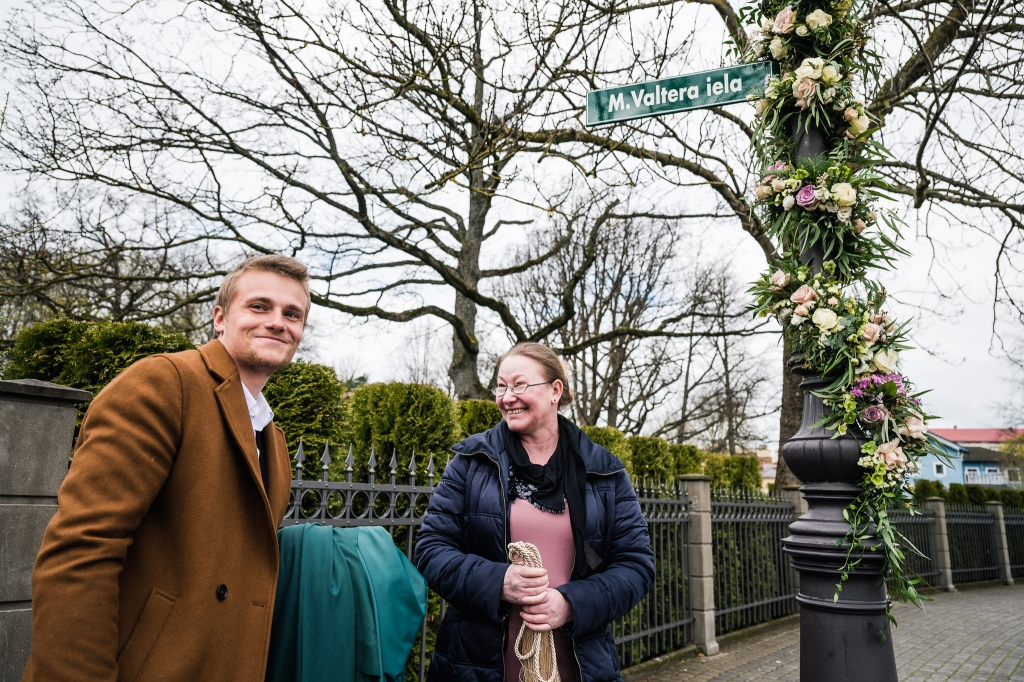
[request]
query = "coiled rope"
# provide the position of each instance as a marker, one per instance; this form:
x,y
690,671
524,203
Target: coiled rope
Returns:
x,y
535,650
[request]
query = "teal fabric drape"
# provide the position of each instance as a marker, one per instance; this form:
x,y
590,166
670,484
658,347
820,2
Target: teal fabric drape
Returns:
x,y
349,605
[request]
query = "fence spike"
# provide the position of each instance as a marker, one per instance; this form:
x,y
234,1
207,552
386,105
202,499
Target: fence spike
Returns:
x,y
300,454
412,463
373,460
325,459
430,466
394,461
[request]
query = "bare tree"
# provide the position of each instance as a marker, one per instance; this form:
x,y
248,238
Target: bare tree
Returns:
x,y
391,143
84,258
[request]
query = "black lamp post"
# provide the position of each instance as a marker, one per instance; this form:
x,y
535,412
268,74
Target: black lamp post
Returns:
x,y
840,641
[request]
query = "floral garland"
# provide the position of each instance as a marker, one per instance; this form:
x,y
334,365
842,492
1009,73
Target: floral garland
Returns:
x,y
835,319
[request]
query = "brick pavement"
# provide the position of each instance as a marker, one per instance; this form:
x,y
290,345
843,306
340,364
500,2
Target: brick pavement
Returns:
x,y
974,634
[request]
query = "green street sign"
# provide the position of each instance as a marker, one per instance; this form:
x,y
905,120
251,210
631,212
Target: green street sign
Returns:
x,y
666,96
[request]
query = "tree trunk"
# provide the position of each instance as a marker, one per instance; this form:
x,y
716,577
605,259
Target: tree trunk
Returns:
x,y
789,418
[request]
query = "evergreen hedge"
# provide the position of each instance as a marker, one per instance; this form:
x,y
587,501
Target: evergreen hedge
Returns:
x,y
86,355
733,472
612,440
406,418
308,403
476,416
651,457
959,493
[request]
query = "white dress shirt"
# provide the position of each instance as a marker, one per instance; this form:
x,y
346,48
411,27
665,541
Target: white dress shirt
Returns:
x,y
259,411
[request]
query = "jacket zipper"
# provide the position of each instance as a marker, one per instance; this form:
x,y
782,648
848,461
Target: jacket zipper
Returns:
x,y
504,530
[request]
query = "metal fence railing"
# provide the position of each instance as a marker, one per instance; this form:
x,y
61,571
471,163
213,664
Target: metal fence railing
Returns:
x,y
660,623
917,528
971,551
1013,518
754,580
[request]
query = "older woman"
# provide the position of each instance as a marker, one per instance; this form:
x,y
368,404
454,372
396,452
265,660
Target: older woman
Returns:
x,y
538,478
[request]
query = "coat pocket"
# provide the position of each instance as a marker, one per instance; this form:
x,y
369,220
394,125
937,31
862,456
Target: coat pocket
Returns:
x,y
147,630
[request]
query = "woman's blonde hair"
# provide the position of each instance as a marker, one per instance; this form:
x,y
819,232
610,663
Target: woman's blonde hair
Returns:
x,y
551,365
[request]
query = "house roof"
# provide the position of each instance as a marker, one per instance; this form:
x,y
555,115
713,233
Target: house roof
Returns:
x,y
978,454
948,444
993,436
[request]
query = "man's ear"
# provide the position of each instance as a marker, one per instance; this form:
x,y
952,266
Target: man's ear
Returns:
x,y
218,321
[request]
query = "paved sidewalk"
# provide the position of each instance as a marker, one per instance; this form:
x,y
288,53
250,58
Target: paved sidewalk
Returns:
x,y
974,634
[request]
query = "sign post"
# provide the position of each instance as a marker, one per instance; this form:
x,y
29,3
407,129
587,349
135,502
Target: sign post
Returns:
x,y
682,93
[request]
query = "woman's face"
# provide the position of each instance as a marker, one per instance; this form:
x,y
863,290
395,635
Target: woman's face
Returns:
x,y
538,406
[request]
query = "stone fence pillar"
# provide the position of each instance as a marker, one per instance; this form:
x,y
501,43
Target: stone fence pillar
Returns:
x,y
702,576
37,425
940,545
999,543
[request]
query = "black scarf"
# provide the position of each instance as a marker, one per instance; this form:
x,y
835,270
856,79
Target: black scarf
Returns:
x,y
559,482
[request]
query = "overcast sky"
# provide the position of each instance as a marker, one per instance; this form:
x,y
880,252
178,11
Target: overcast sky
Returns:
x,y
958,358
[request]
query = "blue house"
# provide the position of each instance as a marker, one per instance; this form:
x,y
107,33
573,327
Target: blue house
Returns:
x,y
934,469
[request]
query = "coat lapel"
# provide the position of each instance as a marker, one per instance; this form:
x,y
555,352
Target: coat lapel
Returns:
x,y
233,409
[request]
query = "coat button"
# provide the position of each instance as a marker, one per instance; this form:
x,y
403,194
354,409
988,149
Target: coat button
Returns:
x,y
222,592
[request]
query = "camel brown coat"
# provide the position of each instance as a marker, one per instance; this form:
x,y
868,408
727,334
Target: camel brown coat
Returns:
x,y
161,562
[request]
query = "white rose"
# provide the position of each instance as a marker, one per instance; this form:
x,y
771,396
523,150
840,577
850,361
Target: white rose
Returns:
x,y
818,19
859,125
757,47
805,70
821,193
789,202
914,428
766,25
844,214
885,361
844,194
830,74
802,31
778,47
779,279
830,94
796,320
825,319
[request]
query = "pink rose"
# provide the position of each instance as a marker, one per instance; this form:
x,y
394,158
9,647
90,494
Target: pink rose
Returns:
x,y
762,192
801,311
759,107
914,428
891,454
859,226
804,89
779,279
784,21
806,198
850,114
804,295
833,301
871,332
778,184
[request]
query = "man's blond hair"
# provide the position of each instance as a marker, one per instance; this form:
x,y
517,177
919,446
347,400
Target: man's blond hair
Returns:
x,y
286,266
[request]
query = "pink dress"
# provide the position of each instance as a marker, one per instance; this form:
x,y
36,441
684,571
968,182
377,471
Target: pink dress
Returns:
x,y
552,535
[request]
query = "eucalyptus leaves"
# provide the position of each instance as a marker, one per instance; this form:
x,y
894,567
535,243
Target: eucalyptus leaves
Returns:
x,y
835,319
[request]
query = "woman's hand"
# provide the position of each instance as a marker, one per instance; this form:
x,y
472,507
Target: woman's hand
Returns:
x,y
554,612
524,585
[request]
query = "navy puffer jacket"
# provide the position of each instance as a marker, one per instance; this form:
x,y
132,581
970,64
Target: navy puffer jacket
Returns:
x,y
461,551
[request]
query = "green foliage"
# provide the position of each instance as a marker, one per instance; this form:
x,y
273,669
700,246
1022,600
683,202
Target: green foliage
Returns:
x,y
650,456
612,440
308,403
924,488
85,355
1012,498
477,416
957,494
979,494
688,459
398,417
733,472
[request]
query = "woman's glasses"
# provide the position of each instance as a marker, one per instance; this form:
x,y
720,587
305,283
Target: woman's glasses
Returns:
x,y
499,391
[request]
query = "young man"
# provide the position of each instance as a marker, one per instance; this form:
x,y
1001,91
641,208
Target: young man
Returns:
x,y
161,562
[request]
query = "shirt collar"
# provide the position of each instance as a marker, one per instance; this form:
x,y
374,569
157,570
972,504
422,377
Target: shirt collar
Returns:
x,y
259,410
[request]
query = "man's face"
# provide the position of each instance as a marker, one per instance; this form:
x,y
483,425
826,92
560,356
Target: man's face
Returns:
x,y
262,326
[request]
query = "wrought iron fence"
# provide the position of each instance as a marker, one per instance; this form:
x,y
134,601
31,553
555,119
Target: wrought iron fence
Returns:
x,y
754,580
660,623
1013,518
917,528
971,552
